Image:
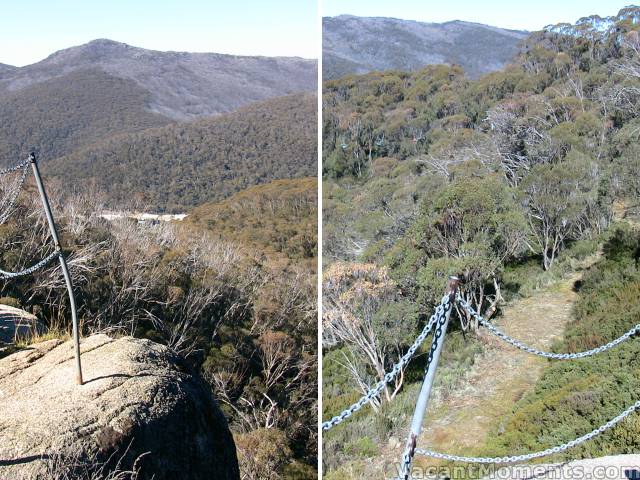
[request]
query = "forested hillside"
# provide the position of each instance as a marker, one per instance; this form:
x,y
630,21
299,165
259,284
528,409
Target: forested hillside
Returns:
x,y
183,165
278,219
160,130
62,114
504,181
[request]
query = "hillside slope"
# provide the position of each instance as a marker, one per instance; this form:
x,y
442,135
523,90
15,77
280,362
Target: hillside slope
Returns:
x,y
62,114
180,166
182,85
353,44
5,69
278,219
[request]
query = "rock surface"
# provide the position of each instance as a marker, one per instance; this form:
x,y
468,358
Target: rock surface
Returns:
x,y
137,398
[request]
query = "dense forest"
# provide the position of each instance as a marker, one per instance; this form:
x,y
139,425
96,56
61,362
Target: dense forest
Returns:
x,y
499,180
236,301
182,165
278,219
60,115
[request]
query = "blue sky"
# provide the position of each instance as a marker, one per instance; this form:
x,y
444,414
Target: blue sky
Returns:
x,y
30,30
530,15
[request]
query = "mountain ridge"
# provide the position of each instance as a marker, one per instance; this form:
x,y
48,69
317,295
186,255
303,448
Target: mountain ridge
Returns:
x,y
354,44
182,85
448,22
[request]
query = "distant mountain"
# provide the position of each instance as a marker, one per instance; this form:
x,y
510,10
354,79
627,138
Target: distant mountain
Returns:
x,y
353,44
181,85
5,69
83,95
182,165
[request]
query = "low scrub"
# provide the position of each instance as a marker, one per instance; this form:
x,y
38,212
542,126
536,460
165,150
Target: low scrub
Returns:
x,y
575,397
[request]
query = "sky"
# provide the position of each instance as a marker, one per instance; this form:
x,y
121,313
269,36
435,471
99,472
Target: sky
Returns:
x,y
30,30
531,15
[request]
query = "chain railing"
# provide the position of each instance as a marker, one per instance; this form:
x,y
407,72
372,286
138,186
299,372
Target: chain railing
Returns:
x,y
4,275
429,376
542,453
439,320
374,391
7,275
8,208
556,356
15,168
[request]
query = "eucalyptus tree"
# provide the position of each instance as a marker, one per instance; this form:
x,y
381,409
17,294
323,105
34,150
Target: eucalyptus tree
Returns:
x,y
471,228
557,198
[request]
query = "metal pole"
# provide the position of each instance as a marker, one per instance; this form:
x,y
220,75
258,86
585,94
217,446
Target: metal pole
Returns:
x,y
63,264
425,391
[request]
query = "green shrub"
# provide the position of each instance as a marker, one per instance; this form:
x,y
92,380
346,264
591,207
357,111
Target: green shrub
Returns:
x,y
575,397
362,447
263,453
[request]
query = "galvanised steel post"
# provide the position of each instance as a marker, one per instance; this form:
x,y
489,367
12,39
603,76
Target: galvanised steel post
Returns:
x,y
63,264
427,384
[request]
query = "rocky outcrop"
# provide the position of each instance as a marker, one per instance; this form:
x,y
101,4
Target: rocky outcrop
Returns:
x,y
17,324
138,402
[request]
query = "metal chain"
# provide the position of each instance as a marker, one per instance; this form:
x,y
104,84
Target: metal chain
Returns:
x,y
14,197
542,453
394,372
4,275
407,457
15,168
556,356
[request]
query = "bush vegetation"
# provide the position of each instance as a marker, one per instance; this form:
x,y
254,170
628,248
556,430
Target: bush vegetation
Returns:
x,y
508,181
242,314
180,166
574,398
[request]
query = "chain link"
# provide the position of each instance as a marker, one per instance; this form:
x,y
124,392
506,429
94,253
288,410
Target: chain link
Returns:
x,y
15,168
395,371
556,356
529,456
4,275
11,202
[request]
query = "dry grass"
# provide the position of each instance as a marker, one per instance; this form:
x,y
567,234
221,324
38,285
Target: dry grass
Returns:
x,y
73,465
39,337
